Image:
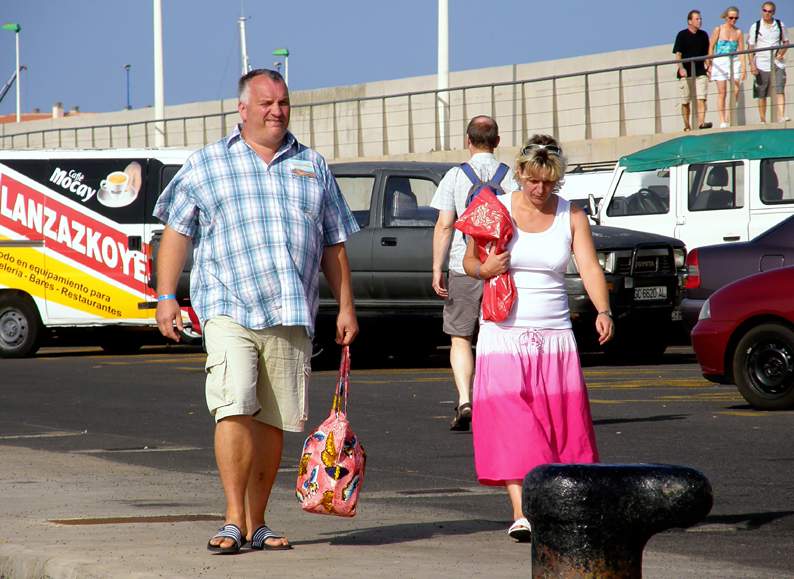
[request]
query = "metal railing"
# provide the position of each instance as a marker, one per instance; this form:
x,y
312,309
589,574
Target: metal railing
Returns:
x,y
613,102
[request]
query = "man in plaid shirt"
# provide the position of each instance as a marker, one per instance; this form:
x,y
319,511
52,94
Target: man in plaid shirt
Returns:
x,y
265,215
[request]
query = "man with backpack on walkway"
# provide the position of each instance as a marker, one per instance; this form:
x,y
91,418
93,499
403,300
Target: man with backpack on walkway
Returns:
x,y
463,294
766,33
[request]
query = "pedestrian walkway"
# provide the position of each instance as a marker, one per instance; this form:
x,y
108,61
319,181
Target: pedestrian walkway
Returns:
x,y
75,516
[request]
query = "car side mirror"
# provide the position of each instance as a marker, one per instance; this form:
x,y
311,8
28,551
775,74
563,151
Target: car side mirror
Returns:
x,y
591,203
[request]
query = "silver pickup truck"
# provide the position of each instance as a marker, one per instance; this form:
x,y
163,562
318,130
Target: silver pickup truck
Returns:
x,y
391,267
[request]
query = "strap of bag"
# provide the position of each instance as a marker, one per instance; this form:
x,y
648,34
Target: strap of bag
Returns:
x,y
344,381
467,169
501,171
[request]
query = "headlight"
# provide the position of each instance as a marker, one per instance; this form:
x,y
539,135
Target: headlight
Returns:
x,y
705,311
602,260
680,257
605,260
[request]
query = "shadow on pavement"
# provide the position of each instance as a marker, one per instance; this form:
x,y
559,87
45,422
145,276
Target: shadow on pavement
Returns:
x,y
391,534
661,418
748,521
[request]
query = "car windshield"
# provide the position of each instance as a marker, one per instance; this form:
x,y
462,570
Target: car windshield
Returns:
x,y
641,193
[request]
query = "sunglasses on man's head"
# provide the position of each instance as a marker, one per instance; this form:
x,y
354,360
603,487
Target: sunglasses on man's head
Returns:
x,y
554,150
767,11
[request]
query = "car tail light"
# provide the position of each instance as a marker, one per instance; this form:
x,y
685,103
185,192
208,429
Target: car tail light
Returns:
x,y
692,270
150,260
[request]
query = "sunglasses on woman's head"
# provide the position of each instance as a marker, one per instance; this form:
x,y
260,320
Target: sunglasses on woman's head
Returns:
x,y
553,149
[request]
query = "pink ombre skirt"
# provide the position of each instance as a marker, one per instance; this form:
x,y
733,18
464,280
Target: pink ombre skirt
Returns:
x,y
530,403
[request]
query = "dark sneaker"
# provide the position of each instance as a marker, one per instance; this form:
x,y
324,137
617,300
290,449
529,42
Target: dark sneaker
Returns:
x,y
462,420
706,126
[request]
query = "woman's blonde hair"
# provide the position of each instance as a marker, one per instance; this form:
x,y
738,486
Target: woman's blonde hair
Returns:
x,y
730,9
532,160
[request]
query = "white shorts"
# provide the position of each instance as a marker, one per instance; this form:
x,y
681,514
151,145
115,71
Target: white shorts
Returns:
x,y
721,68
259,373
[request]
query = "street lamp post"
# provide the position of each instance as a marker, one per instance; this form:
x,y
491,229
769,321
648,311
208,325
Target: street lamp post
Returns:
x,y
285,53
16,28
127,68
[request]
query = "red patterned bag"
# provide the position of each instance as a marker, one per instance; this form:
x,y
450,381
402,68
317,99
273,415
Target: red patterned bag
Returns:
x,y
488,222
332,465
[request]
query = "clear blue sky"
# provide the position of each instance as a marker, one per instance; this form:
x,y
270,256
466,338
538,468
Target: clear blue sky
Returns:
x,y
75,49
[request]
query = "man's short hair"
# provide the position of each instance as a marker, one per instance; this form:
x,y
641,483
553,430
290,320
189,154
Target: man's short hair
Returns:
x,y
691,14
772,4
483,132
245,81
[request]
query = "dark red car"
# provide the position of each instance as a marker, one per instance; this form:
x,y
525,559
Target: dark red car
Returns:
x,y
745,336
714,266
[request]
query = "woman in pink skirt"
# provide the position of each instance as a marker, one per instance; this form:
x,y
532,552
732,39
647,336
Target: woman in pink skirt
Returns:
x,y
530,402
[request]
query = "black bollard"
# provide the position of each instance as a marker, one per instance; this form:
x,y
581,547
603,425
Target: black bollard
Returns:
x,y
593,520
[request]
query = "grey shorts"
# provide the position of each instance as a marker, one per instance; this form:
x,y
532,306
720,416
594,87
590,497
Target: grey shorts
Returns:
x,y
761,88
462,306
259,373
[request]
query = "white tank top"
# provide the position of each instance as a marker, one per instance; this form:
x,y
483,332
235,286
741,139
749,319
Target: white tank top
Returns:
x,y
538,262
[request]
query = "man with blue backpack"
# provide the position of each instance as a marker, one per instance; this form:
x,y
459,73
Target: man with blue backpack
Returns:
x,y
463,294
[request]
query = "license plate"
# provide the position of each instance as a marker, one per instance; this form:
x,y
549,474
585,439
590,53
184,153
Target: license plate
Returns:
x,y
650,293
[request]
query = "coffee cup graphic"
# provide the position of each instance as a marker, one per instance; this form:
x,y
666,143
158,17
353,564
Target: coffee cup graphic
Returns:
x,y
117,182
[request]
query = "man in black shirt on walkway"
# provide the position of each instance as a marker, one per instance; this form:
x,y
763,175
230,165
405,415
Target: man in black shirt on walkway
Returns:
x,y
690,43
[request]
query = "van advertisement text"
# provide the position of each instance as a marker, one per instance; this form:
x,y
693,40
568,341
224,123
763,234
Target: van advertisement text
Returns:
x,y
81,253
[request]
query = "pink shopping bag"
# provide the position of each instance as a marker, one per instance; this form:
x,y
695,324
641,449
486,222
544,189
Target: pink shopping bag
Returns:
x,y
332,465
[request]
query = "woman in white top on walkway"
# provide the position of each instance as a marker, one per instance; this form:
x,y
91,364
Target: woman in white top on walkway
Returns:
x,y
530,400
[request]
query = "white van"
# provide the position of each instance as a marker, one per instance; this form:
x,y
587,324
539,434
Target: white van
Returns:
x,y
586,179
715,188
73,231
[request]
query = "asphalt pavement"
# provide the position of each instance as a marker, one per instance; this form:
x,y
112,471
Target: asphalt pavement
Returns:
x,y
76,516
75,510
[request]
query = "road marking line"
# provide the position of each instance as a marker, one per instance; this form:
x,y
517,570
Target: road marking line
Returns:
x,y
41,435
131,450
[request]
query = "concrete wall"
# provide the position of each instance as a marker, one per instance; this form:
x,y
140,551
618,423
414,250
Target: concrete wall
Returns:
x,y
599,116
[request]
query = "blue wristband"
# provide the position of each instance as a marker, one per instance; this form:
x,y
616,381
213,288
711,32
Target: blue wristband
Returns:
x,y
166,297
477,275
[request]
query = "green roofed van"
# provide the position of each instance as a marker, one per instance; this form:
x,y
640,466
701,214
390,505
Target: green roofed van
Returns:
x,y
708,189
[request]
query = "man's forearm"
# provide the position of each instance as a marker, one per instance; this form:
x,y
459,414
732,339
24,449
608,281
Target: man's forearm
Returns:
x,y
441,236
336,270
171,260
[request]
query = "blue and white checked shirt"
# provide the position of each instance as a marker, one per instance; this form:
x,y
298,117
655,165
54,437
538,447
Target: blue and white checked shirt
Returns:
x,y
258,230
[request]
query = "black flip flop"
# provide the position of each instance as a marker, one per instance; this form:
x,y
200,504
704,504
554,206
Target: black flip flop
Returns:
x,y
229,531
264,533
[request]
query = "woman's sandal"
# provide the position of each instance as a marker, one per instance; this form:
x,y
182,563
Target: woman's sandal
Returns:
x,y
462,418
229,531
521,531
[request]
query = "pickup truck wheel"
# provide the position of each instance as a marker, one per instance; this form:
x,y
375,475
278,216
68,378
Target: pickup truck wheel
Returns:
x,y
190,337
325,355
763,367
21,330
120,342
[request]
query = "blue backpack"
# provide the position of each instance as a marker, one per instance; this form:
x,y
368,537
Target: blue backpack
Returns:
x,y
478,185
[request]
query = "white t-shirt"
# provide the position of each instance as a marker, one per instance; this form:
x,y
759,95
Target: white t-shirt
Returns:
x,y
767,37
451,196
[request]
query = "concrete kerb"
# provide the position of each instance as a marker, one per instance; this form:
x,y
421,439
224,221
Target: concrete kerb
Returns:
x,y
384,540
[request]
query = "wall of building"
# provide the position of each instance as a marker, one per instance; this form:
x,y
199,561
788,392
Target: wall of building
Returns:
x,y
598,115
